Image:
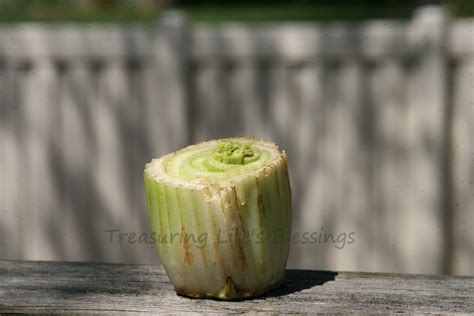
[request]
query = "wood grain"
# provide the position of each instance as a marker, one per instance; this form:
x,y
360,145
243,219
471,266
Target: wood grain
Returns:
x,y
29,286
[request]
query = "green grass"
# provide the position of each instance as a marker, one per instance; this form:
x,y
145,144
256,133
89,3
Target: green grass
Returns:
x,y
60,13
261,13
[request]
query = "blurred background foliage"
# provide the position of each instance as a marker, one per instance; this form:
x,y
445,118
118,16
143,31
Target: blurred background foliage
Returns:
x,y
147,11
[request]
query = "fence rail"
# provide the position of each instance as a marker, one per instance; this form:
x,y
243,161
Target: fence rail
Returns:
x,y
377,119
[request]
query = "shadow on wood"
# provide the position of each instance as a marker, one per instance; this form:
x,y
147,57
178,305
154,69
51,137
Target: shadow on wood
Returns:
x,y
299,280
295,281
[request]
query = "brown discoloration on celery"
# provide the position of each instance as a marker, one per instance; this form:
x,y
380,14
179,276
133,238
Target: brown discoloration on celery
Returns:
x,y
188,258
241,254
241,226
261,209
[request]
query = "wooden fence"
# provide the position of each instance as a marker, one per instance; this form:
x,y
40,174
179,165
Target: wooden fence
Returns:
x,y
377,119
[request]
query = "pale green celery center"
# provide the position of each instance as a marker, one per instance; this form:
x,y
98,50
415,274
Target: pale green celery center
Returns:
x,y
190,165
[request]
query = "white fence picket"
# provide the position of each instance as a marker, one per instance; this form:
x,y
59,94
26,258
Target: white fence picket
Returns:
x,y
388,164
463,167
248,96
41,211
74,159
424,126
210,116
13,173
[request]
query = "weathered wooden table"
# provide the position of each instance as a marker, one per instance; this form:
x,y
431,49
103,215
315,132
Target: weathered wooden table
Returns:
x,y
111,288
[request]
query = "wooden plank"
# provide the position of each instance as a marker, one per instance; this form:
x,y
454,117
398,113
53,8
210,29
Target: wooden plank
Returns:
x,y
374,40
300,42
349,152
162,103
310,81
170,65
423,226
109,181
462,161
15,167
66,42
461,152
5,134
73,160
11,162
292,41
248,94
42,208
388,164
111,288
213,116
461,38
